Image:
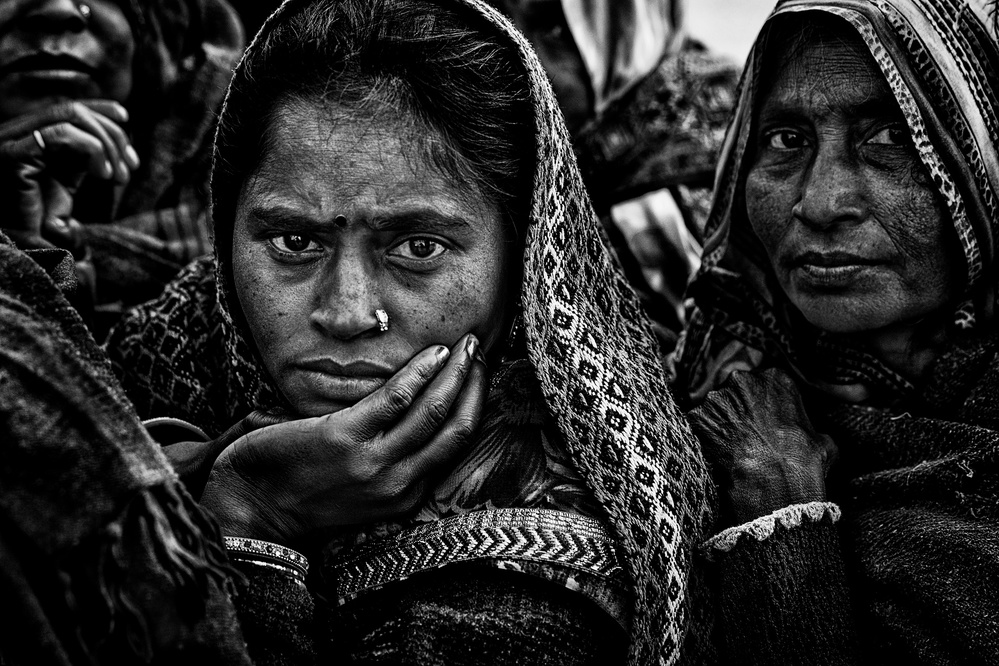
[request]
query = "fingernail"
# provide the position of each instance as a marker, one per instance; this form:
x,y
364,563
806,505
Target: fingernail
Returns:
x,y
108,169
481,358
132,155
123,112
442,353
59,223
471,345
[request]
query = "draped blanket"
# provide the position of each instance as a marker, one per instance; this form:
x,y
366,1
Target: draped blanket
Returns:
x,y
104,554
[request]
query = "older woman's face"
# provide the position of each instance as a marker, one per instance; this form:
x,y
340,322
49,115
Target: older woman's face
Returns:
x,y
344,218
51,51
838,196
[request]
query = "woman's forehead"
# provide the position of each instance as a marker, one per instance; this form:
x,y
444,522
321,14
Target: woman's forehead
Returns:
x,y
829,74
328,163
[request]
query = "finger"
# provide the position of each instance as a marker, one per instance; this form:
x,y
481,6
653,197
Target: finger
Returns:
x,y
81,116
23,199
431,408
129,158
254,421
457,432
375,412
87,117
108,108
68,138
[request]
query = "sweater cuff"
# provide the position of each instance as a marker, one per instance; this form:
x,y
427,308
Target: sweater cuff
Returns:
x,y
763,527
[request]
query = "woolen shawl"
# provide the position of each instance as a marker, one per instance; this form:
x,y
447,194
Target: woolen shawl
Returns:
x,y
589,346
940,59
105,557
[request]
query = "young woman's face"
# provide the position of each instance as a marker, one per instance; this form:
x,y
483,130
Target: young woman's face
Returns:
x,y
343,218
55,50
836,192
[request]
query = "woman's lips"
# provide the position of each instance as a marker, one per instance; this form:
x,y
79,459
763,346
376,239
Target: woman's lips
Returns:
x,y
830,270
338,388
341,382
53,67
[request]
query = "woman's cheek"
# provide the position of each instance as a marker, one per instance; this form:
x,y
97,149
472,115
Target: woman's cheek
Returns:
x,y
765,205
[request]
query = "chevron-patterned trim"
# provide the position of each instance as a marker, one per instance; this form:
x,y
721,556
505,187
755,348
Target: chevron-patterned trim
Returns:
x,y
538,535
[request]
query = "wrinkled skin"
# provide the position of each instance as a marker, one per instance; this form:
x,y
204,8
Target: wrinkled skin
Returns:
x,y
755,433
543,23
377,412
74,103
836,192
860,244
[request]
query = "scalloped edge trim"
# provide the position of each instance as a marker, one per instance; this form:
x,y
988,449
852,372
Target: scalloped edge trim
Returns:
x,y
764,526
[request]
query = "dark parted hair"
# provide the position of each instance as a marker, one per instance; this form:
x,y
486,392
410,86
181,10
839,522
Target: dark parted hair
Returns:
x,y
441,65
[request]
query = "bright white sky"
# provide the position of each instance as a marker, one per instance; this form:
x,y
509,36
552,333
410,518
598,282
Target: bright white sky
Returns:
x,y
728,26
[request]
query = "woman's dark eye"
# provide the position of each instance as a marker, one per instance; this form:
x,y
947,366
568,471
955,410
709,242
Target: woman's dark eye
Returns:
x,y
785,140
892,136
419,249
295,244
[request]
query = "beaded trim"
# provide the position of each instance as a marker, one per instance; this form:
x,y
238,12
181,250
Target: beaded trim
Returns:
x,y
265,552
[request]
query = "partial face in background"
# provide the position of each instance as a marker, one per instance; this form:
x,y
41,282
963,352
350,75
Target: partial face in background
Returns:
x,y
51,51
543,23
836,192
346,216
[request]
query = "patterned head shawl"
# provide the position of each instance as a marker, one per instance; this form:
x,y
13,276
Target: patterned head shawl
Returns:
x,y
622,41
939,58
589,347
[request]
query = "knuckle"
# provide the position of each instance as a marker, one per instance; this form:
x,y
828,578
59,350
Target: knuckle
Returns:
x,y
398,397
436,411
364,471
462,429
58,133
66,111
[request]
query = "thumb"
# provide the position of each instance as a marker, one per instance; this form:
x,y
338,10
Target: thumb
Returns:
x,y
254,421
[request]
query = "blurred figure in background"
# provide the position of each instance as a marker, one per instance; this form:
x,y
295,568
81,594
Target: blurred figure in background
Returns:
x,y
254,13
106,115
647,107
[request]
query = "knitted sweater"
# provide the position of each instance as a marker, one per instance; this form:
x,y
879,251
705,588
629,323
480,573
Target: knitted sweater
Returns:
x,y
904,567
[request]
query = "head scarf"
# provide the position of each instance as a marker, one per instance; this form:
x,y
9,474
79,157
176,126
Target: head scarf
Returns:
x,y
939,58
622,41
591,348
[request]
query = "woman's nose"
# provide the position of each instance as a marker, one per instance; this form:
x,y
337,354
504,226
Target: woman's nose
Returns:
x,y
55,17
346,299
832,193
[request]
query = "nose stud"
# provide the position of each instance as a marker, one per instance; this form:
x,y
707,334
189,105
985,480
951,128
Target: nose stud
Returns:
x,y
84,10
383,320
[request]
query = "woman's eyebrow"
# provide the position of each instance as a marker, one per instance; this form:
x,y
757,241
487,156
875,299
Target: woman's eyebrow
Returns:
x,y
284,219
427,219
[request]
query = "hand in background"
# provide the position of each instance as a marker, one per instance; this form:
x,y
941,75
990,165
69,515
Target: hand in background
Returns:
x,y
763,447
45,156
